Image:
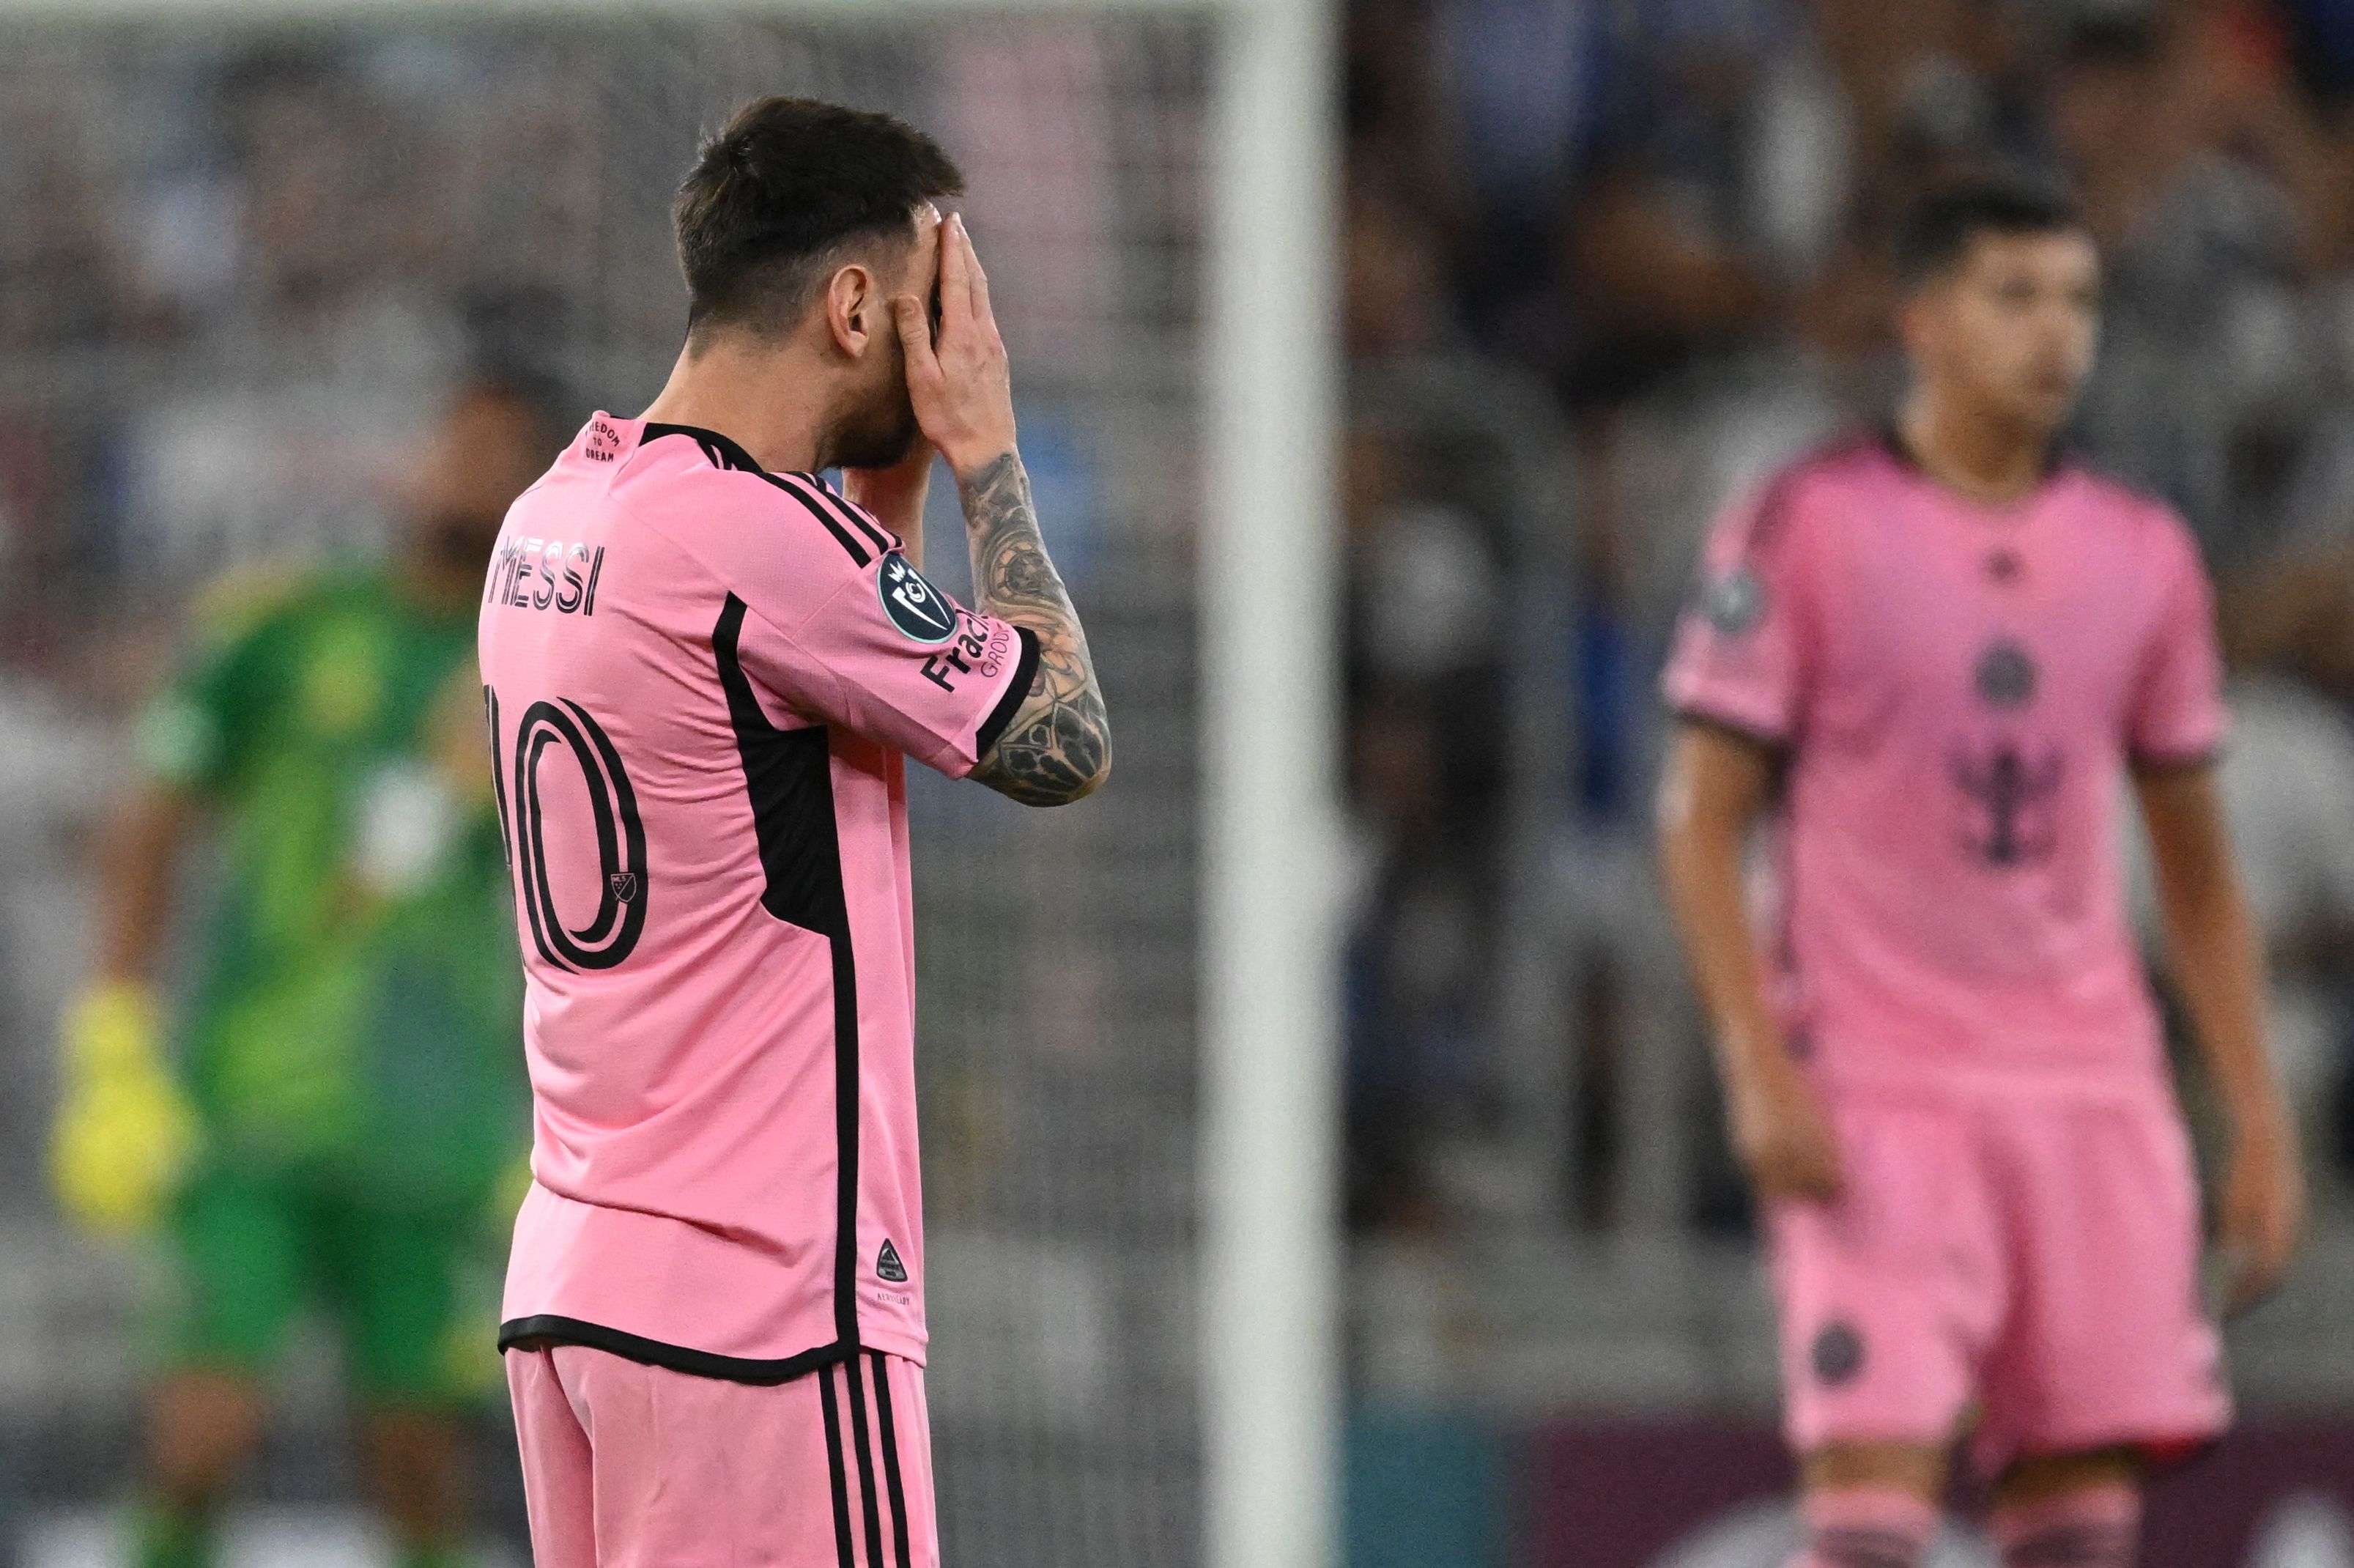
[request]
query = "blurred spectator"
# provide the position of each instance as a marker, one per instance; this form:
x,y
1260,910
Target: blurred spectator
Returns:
x,y
61,276
1395,298
301,397
1425,699
2202,352
1708,437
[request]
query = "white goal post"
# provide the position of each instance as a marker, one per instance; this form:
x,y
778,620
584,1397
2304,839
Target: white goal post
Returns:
x,y
1269,1004
1270,637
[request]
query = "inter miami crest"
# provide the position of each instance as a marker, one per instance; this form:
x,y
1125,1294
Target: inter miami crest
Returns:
x,y
2012,797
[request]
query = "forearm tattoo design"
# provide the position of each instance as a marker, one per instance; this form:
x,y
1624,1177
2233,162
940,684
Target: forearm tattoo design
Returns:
x,y
1058,746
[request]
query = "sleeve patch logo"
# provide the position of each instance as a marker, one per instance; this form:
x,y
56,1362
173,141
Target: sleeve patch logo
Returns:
x,y
917,609
1734,603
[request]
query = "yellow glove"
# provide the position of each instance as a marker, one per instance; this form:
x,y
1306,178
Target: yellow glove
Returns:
x,y
124,1132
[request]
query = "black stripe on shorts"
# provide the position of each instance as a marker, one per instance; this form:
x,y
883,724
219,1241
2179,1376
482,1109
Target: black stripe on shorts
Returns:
x,y
837,1474
873,1519
890,1436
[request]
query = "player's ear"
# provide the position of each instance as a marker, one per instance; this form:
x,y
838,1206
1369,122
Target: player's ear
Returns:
x,y
857,312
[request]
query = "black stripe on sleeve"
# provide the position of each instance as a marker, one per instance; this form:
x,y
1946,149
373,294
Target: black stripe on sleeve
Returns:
x,y
822,494
802,492
889,1433
725,453
857,553
788,775
845,1556
873,1519
1026,670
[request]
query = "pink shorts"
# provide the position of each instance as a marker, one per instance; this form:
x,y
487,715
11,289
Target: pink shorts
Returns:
x,y
629,1466
2036,1261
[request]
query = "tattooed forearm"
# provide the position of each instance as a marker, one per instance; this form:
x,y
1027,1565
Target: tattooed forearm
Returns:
x,y
1058,746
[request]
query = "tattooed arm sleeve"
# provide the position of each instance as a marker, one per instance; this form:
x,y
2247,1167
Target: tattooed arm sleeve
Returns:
x,y
1057,747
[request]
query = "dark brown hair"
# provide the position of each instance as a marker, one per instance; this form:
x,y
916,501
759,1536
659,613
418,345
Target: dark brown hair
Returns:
x,y
1938,230
785,186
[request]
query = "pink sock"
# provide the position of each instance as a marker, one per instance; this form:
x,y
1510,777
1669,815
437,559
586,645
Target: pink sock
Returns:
x,y
1865,1527
2092,1527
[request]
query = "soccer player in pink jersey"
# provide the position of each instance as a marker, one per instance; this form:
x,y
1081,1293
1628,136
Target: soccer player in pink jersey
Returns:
x,y
704,668
1936,657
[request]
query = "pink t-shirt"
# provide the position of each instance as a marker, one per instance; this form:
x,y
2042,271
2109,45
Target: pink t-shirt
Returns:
x,y
1958,691
700,680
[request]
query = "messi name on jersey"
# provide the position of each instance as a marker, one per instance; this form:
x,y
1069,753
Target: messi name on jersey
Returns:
x,y
546,573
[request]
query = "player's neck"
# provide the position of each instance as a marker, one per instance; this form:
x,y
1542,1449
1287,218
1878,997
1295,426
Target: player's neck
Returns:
x,y
1988,460
760,399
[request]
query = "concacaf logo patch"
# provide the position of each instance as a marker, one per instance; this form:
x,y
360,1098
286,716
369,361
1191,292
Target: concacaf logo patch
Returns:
x,y
915,605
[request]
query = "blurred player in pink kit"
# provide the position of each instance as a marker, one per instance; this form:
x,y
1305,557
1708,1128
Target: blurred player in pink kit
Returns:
x,y
704,668
1935,656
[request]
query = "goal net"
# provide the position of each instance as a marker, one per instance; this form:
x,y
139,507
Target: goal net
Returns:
x,y
247,246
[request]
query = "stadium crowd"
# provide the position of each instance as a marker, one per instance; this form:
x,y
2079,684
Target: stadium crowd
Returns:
x,y
1680,241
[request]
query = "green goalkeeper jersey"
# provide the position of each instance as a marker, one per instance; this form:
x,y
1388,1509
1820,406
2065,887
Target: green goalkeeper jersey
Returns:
x,y
357,1005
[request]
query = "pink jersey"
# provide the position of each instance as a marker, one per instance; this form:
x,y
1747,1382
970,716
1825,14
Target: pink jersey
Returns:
x,y
1958,690
700,678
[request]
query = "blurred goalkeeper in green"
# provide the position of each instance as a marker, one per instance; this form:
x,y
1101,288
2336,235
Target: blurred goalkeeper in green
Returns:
x,y
324,1124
